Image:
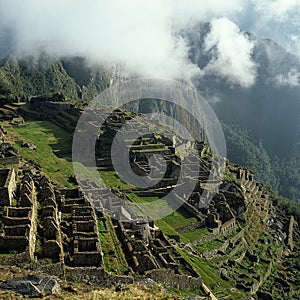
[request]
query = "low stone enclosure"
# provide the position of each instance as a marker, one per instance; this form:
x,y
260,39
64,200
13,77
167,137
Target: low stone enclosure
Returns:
x,y
8,154
7,186
18,225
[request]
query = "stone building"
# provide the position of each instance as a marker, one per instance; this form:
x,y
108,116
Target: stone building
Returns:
x,y
7,186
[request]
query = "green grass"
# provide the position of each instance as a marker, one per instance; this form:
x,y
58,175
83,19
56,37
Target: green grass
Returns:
x,y
171,222
48,139
110,262
113,256
179,218
121,260
111,180
139,199
90,173
206,270
203,267
166,228
194,235
208,246
232,234
168,224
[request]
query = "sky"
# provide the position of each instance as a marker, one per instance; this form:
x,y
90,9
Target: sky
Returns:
x,y
143,34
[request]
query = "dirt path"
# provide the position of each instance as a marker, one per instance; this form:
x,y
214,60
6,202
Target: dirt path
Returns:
x,y
208,291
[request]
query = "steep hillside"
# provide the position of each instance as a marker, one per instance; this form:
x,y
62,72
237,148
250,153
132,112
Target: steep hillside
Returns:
x,y
243,150
269,110
46,75
35,76
244,243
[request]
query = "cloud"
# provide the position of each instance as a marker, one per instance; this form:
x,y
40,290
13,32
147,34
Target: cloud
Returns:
x,y
276,8
144,35
291,79
140,34
187,12
275,19
213,99
231,53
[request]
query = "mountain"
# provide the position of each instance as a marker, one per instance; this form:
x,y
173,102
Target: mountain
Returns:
x,y
269,110
242,244
264,118
31,76
45,75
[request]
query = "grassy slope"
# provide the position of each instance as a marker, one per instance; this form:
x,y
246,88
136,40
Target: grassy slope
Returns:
x,y
48,139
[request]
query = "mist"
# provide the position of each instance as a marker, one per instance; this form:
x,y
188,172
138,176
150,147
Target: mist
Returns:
x,y
141,35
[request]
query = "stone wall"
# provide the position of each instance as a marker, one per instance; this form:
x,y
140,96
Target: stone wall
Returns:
x,y
50,231
7,186
12,160
290,241
168,278
96,276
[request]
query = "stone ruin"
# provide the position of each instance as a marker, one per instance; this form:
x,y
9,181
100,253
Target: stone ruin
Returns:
x,y
218,215
224,216
61,224
18,221
55,108
8,112
7,186
42,223
8,154
49,226
79,225
146,249
32,285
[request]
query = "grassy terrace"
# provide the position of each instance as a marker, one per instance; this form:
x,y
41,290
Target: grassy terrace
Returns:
x,y
114,260
194,235
208,246
53,148
206,268
111,179
178,219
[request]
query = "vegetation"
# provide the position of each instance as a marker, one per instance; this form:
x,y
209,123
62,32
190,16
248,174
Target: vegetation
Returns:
x,y
111,179
35,76
242,150
289,206
206,268
228,176
208,246
179,218
288,170
114,260
78,291
194,235
281,174
49,140
45,75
